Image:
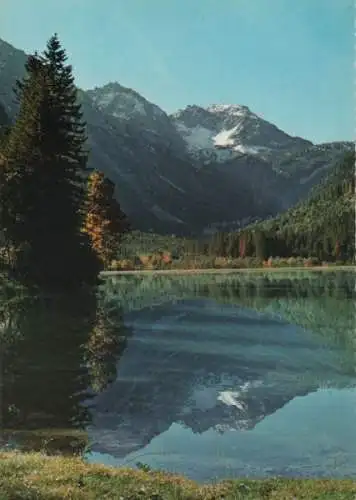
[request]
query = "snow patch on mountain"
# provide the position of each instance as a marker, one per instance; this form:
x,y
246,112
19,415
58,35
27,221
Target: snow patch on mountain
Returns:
x,y
231,109
231,398
197,137
213,133
222,146
171,183
304,180
224,138
163,215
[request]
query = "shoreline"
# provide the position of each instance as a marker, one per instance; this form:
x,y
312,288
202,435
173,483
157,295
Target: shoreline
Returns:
x,y
34,475
167,272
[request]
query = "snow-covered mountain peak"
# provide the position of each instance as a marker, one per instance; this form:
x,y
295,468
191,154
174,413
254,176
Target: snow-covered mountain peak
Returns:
x,y
221,132
149,121
122,102
229,109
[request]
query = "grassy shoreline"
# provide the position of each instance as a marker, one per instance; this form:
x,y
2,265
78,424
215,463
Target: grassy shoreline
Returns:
x,y
40,477
225,270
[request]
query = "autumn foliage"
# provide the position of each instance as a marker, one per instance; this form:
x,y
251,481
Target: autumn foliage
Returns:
x,y
104,221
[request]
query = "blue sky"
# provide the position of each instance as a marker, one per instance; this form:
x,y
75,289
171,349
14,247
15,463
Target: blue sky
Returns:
x,y
290,61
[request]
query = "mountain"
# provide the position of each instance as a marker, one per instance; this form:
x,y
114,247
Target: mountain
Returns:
x,y
197,170
223,132
320,227
239,142
231,141
330,205
159,188
137,113
12,63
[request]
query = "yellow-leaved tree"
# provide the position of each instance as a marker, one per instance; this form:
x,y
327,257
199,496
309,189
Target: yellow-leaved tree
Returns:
x,y
105,222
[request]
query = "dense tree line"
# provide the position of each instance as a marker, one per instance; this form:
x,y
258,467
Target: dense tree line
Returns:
x,y
43,179
323,226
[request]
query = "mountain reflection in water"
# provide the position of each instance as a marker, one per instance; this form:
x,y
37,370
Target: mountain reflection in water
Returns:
x,y
177,369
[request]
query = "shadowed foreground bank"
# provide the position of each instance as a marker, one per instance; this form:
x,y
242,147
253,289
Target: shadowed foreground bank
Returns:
x,y
35,476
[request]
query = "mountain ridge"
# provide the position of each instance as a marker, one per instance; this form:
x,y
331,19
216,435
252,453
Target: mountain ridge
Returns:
x,y
165,187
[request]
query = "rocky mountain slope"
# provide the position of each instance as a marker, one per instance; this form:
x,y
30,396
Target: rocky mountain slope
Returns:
x,y
223,132
140,115
194,170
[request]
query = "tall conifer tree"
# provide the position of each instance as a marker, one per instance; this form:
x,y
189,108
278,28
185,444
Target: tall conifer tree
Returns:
x,y
44,185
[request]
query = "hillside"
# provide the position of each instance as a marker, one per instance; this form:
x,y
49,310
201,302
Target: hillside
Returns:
x,y
322,226
330,204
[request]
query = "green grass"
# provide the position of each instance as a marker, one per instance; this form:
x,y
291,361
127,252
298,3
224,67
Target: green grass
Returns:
x,y
35,476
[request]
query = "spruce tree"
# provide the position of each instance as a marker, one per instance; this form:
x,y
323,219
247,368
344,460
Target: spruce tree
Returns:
x,y
19,183
44,185
4,126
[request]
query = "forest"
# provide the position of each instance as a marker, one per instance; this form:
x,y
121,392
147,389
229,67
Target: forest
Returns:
x,y
321,227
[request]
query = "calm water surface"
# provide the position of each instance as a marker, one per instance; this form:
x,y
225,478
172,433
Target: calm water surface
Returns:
x,y
209,376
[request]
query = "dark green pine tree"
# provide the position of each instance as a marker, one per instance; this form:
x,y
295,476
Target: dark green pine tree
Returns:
x,y
46,214
19,189
260,244
68,147
4,126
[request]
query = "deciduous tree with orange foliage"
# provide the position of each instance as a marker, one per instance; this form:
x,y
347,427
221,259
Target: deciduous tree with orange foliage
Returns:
x,y
105,222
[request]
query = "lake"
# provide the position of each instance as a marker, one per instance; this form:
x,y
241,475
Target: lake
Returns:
x,y
210,376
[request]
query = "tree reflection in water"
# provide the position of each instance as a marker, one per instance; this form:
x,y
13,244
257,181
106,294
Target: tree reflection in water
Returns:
x,y
57,351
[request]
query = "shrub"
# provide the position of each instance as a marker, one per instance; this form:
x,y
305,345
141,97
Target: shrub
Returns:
x,y
156,260
292,261
144,259
114,266
127,264
254,262
167,258
238,263
268,263
221,262
121,264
